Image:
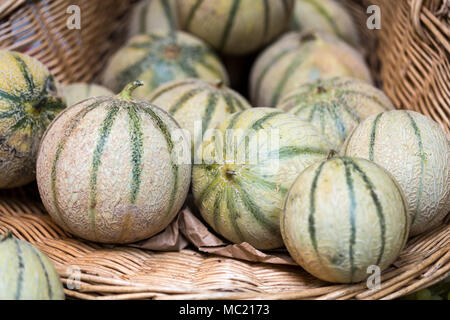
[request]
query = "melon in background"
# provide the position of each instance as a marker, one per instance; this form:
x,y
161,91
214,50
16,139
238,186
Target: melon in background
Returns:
x,y
151,15
343,215
335,106
296,59
328,16
26,273
416,151
161,57
244,171
29,101
198,105
113,169
76,92
235,27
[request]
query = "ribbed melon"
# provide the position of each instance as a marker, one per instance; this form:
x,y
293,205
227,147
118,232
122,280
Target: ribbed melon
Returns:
x,y
161,57
343,215
76,92
151,15
296,59
416,151
246,169
325,16
113,169
335,106
26,273
198,105
29,101
235,27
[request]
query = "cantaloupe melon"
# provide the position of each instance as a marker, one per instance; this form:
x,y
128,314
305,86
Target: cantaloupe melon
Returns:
x,y
416,151
198,105
298,58
76,92
114,169
29,101
235,27
343,215
335,106
246,168
160,57
26,273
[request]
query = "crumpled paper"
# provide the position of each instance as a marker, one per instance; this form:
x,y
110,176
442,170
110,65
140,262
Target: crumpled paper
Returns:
x,y
189,229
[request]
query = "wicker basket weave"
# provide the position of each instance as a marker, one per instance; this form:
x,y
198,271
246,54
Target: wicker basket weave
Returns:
x,y
413,52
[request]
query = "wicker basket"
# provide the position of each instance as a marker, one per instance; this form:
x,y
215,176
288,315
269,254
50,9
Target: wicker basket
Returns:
x,y
412,49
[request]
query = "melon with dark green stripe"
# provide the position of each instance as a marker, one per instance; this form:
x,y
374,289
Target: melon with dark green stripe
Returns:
x,y
113,169
150,15
26,273
343,215
160,57
298,58
198,105
416,151
77,92
335,106
235,27
328,16
245,170
29,101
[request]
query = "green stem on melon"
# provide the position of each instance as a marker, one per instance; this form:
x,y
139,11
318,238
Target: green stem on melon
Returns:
x,y
331,154
6,235
218,83
126,93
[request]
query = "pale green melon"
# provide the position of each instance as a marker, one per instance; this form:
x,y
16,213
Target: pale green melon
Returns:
x,y
296,59
342,216
26,273
328,16
243,172
160,57
235,27
198,105
29,101
416,151
114,169
335,106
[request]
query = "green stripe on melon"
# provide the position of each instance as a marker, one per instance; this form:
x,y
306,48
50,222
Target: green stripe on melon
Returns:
x,y
29,101
335,106
252,190
235,27
27,274
296,59
416,151
331,211
160,57
198,104
132,179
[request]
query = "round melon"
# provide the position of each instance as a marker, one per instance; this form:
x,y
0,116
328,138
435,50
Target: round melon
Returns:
x,y
151,15
416,151
29,101
198,105
113,169
76,92
296,59
27,273
245,170
235,27
325,16
161,57
343,215
335,106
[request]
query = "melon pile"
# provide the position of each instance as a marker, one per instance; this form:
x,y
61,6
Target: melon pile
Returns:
x,y
312,157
